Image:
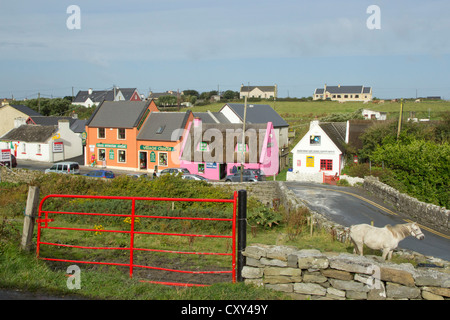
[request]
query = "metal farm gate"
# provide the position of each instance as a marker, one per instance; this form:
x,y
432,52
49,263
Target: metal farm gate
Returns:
x,y
44,223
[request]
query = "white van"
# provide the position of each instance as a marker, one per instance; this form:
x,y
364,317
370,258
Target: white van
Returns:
x,y
65,167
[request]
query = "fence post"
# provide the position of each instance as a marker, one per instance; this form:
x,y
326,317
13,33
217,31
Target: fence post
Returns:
x,y
242,231
30,216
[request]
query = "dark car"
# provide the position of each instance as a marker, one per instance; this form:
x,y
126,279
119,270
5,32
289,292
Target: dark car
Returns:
x,y
8,164
251,175
100,174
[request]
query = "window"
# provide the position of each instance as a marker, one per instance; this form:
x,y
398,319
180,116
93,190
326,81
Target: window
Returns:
x,y
326,164
160,129
121,134
122,156
163,159
314,140
101,154
101,133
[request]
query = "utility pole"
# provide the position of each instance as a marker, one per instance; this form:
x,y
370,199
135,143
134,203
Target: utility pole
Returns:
x,y
243,139
400,119
39,102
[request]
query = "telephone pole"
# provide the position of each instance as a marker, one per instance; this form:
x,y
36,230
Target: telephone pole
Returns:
x,y
400,119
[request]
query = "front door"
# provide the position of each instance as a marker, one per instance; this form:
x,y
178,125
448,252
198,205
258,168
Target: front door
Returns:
x,y
142,160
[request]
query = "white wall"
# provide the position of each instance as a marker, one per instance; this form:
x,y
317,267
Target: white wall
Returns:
x,y
326,150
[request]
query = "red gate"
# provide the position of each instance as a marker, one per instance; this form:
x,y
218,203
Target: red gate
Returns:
x,y
43,223
329,179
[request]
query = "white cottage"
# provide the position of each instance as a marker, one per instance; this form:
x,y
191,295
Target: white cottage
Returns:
x,y
42,143
320,152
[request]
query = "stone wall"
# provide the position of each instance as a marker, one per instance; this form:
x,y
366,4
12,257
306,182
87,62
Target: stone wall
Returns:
x,y
428,214
18,175
310,274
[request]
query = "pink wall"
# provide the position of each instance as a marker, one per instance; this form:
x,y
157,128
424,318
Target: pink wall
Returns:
x,y
268,161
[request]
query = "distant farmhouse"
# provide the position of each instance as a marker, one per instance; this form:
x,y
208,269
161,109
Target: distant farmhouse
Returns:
x,y
343,93
263,92
89,98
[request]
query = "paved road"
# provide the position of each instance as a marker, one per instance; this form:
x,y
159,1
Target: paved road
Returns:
x,y
348,206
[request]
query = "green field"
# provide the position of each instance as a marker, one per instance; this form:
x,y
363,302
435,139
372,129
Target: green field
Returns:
x,y
299,113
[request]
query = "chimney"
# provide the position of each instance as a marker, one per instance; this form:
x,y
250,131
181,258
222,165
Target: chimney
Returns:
x,y
19,121
90,91
63,124
313,123
197,122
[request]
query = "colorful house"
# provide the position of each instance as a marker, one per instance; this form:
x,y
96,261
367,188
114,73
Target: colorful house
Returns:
x,y
212,150
112,133
159,140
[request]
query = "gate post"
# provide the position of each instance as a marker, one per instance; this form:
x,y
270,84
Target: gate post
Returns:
x,y
242,231
30,216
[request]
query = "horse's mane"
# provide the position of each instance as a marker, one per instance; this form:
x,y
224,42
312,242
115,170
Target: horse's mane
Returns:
x,y
399,230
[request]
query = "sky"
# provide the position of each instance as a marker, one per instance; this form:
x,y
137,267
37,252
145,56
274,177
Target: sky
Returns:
x,y
159,45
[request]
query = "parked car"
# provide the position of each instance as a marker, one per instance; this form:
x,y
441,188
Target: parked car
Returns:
x,y
8,163
251,175
65,167
193,177
100,174
173,171
138,175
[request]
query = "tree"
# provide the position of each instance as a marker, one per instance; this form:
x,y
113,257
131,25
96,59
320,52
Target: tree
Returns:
x,y
230,95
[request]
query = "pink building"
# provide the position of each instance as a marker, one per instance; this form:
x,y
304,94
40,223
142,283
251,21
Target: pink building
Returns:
x,y
212,149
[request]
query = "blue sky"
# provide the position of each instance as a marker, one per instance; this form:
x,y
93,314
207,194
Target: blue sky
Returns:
x,y
209,44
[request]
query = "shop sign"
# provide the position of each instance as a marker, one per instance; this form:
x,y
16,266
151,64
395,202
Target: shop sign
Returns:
x,y
58,147
111,145
152,156
156,148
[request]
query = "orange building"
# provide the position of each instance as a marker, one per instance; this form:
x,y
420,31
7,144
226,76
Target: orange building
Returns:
x,y
135,136
159,140
112,131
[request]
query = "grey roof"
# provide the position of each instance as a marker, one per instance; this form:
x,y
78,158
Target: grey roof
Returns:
x,y
258,113
127,92
31,133
262,88
24,109
118,114
344,90
211,117
95,96
164,126
103,95
336,131
76,125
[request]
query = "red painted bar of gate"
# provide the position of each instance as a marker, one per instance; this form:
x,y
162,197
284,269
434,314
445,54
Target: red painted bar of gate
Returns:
x,y
41,220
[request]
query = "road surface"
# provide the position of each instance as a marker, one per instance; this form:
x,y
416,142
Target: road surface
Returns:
x,y
348,206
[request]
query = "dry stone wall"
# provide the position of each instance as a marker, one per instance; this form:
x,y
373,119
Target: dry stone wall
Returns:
x,y
311,274
428,214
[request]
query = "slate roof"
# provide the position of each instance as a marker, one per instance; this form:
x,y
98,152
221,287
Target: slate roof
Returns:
x,y
344,90
103,95
164,126
24,109
76,125
118,114
30,133
336,131
357,128
262,88
211,117
231,134
257,113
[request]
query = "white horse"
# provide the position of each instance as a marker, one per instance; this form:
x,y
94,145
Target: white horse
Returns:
x,y
385,239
